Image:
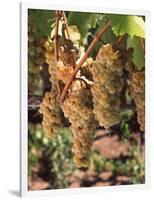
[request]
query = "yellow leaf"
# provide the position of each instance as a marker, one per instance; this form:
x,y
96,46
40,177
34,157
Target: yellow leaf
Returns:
x,y
74,33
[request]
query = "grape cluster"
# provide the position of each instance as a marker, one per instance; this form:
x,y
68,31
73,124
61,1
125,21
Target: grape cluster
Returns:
x,y
50,60
138,94
63,72
62,69
50,108
35,53
107,73
77,107
52,116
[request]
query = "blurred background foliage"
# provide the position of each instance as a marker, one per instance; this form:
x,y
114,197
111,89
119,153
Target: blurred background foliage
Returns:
x,y
50,161
118,155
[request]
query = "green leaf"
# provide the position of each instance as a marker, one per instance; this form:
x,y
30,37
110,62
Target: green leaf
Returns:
x,y
83,21
65,131
126,129
138,54
132,25
43,20
109,36
94,20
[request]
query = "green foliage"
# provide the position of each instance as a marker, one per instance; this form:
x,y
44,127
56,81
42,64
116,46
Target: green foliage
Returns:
x,y
133,25
138,54
125,129
43,20
99,161
84,21
56,151
109,36
133,166
35,84
60,158
124,125
94,20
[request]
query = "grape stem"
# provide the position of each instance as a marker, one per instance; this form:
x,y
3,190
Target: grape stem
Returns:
x,y
120,39
66,24
87,82
95,39
57,18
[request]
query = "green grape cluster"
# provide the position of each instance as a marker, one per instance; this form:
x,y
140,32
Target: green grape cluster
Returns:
x,y
107,71
138,94
52,115
77,107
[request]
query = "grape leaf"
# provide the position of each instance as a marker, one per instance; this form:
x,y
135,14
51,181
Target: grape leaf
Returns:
x,y
132,25
109,36
83,21
94,20
43,20
138,54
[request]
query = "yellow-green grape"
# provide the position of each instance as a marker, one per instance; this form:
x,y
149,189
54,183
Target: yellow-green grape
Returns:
x,y
62,69
50,60
77,107
138,94
107,71
63,72
52,115
86,68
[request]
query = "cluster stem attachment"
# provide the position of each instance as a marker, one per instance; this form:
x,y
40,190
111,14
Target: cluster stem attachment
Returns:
x,y
95,39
